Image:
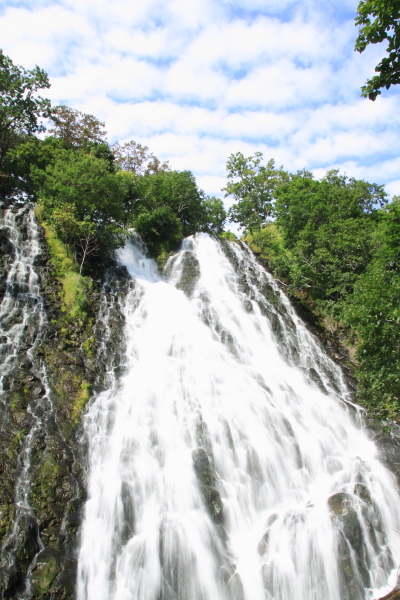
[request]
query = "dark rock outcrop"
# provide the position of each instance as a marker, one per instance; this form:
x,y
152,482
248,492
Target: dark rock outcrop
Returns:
x,y
206,478
354,577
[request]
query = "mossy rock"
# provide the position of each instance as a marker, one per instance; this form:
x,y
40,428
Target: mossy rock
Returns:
x,y
45,571
7,514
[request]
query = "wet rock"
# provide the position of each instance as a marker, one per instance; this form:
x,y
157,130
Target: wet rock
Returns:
x,y
235,587
45,571
363,492
214,504
248,306
388,447
314,377
263,544
203,437
190,273
353,570
128,526
227,570
341,508
55,482
202,467
205,475
27,543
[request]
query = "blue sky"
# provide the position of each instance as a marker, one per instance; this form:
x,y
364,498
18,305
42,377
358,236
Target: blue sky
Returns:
x,y
196,81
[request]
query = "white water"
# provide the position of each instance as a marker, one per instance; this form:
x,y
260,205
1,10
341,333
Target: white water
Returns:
x,y
210,372
22,318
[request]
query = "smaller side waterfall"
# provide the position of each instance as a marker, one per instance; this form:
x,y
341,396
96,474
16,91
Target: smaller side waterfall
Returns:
x,y
22,318
226,459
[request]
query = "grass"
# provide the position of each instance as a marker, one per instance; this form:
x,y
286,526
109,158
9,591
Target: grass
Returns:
x,y
80,401
66,270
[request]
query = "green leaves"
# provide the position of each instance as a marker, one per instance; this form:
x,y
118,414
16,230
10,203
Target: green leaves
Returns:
x,y
84,181
168,205
379,21
19,107
252,186
161,229
83,202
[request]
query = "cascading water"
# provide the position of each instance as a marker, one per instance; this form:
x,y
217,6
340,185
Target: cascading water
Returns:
x,y
22,318
226,461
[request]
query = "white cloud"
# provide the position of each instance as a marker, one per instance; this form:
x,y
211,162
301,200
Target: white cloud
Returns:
x,y
197,81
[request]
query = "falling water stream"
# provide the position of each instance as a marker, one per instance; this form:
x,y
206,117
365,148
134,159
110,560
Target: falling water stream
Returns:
x,y
22,319
227,462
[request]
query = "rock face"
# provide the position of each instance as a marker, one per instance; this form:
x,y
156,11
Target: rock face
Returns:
x,y
205,476
351,552
48,368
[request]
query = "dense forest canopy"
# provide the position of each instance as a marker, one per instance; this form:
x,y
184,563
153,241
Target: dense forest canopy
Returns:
x,y
336,242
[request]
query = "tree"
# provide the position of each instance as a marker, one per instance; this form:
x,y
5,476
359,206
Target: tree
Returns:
x,y
81,235
252,186
75,128
328,228
379,21
167,206
161,229
134,157
374,313
83,201
20,109
214,215
303,200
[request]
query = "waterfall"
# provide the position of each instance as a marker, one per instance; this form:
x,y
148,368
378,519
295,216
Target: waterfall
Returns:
x,y
22,319
226,460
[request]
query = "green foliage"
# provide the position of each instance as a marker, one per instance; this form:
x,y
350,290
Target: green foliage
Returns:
x,y
83,202
374,313
229,236
214,216
303,201
161,229
167,206
269,243
84,181
74,285
80,402
327,226
252,186
379,21
20,109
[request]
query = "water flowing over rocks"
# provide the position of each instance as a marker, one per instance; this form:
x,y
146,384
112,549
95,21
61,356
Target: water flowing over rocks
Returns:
x,y
220,456
230,444
41,455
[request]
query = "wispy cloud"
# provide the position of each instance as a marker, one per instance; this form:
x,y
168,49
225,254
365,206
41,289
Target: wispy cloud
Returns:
x,y
197,81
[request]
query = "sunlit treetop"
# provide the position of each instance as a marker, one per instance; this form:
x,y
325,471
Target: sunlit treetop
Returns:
x,y
20,106
379,21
